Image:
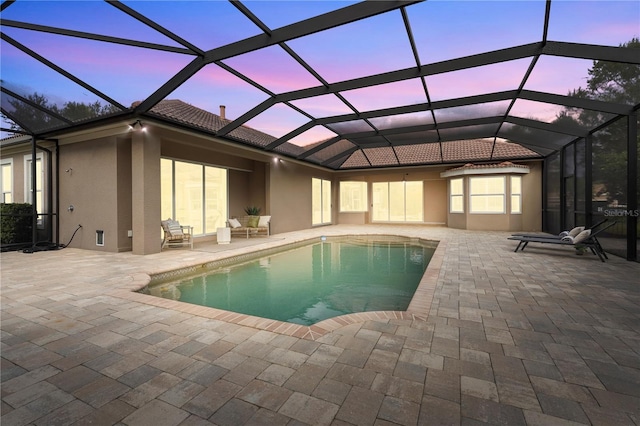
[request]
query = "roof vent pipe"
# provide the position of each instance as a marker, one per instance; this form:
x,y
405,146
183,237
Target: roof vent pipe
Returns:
x,y
222,112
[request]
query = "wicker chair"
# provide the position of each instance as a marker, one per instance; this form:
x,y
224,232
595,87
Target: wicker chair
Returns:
x,y
176,235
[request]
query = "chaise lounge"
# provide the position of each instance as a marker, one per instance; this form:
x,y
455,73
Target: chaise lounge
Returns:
x,y
585,238
572,233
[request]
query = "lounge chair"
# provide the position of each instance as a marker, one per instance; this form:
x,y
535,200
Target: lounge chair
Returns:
x,y
586,239
176,235
241,226
573,232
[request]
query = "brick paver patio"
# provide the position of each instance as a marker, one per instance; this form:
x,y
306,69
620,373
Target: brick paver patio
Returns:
x,y
541,337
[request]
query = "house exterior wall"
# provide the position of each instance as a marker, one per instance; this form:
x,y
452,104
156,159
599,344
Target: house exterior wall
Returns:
x,y
532,198
124,194
290,195
91,187
114,186
434,197
529,220
145,177
246,175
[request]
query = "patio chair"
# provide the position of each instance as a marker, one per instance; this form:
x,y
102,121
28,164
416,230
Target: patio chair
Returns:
x,y
585,239
176,235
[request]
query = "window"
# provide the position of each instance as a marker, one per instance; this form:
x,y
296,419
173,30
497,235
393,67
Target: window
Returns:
x,y
320,201
456,204
353,196
29,181
39,186
487,194
397,201
194,194
6,180
516,194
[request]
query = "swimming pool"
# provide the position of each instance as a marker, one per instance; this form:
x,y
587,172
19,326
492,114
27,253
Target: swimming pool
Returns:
x,y
312,282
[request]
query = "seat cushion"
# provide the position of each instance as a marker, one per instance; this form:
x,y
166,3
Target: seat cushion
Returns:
x,y
582,236
253,221
575,231
264,221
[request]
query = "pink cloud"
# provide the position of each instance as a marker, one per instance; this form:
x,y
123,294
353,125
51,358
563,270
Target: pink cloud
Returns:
x,y
274,69
537,110
212,86
315,134
558,75
278,120
388,95
323,106
474,81
371,46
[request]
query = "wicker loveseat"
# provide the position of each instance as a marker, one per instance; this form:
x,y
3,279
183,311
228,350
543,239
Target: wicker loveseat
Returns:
x,y
241,226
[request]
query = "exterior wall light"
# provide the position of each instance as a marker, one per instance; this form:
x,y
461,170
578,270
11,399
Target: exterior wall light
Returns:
x,y
137,125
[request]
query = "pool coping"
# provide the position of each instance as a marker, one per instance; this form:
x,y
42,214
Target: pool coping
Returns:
x,y
418,308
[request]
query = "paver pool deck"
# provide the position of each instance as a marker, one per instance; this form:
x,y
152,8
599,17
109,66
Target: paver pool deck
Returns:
x,y
540,337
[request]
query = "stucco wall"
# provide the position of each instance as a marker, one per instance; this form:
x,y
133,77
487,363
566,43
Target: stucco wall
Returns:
x,y
434,196
90,186
247,181
238,188
532,198
124,195
104,183
290,195
529,220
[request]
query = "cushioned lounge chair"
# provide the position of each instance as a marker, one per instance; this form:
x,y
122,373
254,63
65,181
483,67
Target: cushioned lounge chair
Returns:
x,y
573,232
176,235
586,239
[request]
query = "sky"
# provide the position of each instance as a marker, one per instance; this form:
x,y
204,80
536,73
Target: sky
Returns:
x,y
442,30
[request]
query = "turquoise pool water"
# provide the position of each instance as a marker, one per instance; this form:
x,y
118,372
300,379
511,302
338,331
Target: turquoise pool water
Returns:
x,y
311,283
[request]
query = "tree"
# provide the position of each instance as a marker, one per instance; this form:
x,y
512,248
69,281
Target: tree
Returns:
x,y
34,119
617,83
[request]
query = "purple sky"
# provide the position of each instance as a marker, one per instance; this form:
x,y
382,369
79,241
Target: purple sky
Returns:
x,y
442,30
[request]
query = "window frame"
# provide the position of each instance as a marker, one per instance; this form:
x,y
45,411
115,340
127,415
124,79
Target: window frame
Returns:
x,y
325,185
6,162
388,198
41,207
456,195
363,190
28,195
203,190
514,194
503,195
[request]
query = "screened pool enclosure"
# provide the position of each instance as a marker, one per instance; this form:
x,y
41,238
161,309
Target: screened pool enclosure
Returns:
x,y
345,85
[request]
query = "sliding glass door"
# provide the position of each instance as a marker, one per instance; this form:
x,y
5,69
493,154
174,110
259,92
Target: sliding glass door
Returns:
x,y
397,201
194,194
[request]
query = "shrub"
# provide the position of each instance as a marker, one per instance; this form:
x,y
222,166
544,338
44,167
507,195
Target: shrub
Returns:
x,y
252,211
15,223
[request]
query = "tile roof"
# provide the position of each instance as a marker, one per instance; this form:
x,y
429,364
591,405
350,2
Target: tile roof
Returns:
x,y
415,153
504,164
177,110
